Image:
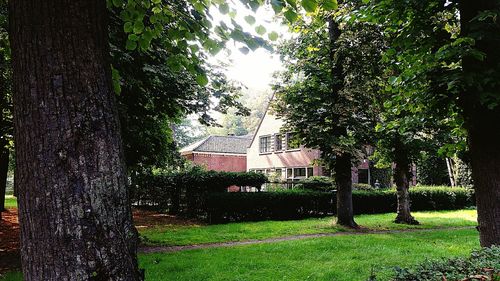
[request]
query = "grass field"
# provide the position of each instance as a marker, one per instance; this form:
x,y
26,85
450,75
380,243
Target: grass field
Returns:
x,y
345,257
349,257
185,235
10,201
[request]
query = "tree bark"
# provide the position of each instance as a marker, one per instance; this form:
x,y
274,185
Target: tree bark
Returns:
x,y
4,169
74,212
402,177
343,180
481,121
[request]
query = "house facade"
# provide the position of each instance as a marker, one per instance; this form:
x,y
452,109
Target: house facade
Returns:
x,y
219,153
274,152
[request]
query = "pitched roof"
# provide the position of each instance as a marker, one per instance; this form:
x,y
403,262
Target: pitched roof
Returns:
x,y
220,144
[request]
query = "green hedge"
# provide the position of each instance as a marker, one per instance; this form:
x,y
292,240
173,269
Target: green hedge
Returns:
x,y
484,262
297,204
186,191
278,205
316,183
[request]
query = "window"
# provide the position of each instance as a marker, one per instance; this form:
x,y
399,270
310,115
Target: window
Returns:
x,y
299,172
310,172
363,176
289,173
291,141
278,142
265,144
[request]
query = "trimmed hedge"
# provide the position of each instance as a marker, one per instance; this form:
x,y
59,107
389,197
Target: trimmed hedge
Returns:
x,y
297,204
316,183
278,205
483,264
186,191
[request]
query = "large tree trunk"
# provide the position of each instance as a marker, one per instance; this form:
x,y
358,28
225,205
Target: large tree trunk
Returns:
x,y
481,121
74,212
402,177
343,180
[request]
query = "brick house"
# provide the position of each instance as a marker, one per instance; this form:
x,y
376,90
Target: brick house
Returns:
x,y
272,151
219,153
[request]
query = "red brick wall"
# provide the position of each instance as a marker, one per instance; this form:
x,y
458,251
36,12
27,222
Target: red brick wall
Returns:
x,y
219,162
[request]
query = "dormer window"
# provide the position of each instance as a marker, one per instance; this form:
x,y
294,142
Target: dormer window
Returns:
x,y
278,142
265,144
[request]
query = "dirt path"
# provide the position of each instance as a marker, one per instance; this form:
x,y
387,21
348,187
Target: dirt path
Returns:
x,y
171,249
9,241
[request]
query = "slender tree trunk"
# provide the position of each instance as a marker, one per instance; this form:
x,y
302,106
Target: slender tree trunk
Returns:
x,y
402,177
482,121
74,212
343,180
4,169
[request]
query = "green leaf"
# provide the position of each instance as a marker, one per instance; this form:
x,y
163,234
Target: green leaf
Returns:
x,y
330,5
202,79
115,75
127,27
261,30
309,5
277,5
138,26
131,45
291,16
224,8
118,3
250,19
273,36
133,37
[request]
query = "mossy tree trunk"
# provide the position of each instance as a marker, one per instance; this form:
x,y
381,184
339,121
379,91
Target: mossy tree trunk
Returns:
x,y
74,212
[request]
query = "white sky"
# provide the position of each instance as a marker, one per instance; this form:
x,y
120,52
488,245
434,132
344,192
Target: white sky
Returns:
x,y
255,69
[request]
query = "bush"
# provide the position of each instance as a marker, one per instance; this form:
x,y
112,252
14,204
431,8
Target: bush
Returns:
x,y
422,199
186,191
382,175
278,205
316,183
297,204
362,186
485,263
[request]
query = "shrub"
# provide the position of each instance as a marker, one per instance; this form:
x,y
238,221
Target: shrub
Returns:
x,y
296,204
316,183
483,264
186,191
382,175
278,205
362,186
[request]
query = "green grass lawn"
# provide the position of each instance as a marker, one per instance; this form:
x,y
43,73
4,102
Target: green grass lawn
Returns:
x,y
10,201
349,257
185,235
